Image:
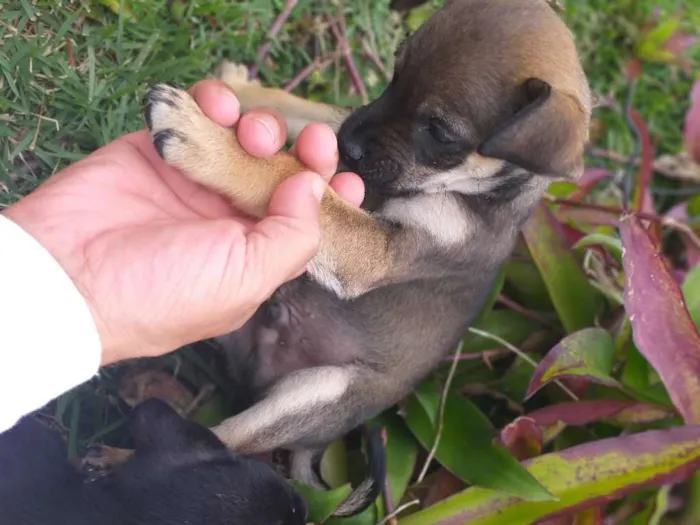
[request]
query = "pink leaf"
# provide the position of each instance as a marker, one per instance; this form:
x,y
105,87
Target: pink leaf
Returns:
x,y
662,327
680,43
679,212
692,124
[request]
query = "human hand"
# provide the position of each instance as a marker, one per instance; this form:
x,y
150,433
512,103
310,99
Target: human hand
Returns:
x,y
164,262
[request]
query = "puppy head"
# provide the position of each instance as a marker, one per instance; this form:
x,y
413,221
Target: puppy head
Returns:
x,y
483,89
181,473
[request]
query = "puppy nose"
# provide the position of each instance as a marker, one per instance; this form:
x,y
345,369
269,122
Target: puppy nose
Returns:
x,y
352,148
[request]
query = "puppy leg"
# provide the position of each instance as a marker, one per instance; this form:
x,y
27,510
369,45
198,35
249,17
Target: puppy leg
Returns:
x,y
357,251
306,466
298,112
101,460
305,412
295,413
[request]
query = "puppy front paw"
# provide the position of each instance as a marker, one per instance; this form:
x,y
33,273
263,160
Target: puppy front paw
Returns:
x,y
171,115
182,135
101,460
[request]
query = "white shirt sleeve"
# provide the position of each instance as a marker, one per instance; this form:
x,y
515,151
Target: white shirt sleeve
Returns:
x,y
48,339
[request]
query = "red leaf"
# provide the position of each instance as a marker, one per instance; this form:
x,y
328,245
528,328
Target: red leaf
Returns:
x,y
443,485
642,200
633,68
692,124
571,234
592,516
523,438
588,216
580,413
591,177
662,327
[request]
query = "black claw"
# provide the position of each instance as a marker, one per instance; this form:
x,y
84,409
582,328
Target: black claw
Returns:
x,y
160,138
147,114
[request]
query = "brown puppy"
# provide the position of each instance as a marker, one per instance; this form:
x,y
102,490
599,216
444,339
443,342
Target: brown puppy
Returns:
x,y
487,105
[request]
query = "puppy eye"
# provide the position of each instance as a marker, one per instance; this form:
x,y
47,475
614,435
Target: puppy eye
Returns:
x,y
438,132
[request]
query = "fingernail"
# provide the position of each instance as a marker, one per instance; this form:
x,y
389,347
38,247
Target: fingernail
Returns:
x,y
318,187
230,96
270,124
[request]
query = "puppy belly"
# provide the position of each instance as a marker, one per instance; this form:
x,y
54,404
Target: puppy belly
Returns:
x,y
301,326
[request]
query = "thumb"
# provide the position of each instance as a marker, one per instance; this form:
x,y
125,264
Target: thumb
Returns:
x,y
280,246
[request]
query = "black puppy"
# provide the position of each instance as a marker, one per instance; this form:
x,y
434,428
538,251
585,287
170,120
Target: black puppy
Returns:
x,y
180,473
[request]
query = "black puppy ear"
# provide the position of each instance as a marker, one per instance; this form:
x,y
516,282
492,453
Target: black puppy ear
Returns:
x,y
154,425
546,135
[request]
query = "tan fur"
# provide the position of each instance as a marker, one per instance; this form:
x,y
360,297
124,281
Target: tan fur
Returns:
x,y
355,253
298,112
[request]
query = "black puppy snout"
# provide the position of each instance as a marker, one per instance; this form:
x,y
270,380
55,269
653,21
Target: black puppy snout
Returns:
x,y
352,148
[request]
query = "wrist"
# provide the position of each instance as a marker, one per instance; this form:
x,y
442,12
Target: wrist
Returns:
x,y
42,308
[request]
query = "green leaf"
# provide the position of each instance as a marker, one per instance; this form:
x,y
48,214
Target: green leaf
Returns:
x,y
334,464
213,412
587,474
322,503
588,353
691,293
419,15
525,284
574,299
613,244
401,453
509,325
466,445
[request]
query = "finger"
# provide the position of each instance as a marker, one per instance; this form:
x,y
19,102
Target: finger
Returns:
x,y
280,246
317,149
350,187
262,133
217,101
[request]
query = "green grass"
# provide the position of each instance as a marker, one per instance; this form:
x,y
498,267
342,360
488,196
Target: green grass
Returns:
x,y
73,74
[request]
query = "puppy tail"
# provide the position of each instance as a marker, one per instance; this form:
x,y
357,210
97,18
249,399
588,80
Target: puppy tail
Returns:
x,y
369,489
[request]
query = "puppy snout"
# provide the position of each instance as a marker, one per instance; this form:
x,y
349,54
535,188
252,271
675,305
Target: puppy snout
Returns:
x,y
352,148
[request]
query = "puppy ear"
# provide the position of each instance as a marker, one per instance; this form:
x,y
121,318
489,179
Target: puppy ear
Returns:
x,y
154,425
546,135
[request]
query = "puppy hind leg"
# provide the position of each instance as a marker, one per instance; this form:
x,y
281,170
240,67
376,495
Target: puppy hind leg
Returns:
x,y
306,467
308,410
298,112
305,409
